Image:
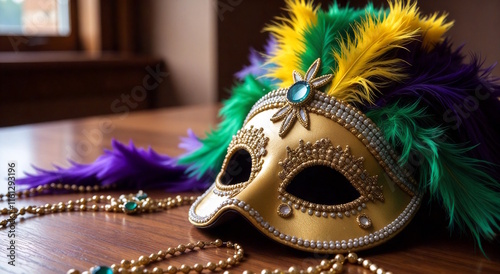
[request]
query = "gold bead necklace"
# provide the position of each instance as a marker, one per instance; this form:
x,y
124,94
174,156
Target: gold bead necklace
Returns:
x,y
138,204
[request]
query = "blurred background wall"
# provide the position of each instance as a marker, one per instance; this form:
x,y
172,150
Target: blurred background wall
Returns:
x,y
184,33
132,55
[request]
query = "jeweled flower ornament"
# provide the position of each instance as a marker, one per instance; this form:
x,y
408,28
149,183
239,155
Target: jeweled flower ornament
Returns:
x,y
379,127
298,95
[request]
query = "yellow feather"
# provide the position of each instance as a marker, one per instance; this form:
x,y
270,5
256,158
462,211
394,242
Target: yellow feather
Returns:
x,y
432,27
361,58
289,34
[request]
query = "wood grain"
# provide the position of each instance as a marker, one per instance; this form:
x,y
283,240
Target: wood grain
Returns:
x,y
58,242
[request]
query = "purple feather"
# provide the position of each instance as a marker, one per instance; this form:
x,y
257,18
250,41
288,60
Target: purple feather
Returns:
x,y
190,143
463,97
257,66
125,167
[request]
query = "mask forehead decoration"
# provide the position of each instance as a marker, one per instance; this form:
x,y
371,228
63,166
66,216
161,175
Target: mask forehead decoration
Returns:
x,y
345,132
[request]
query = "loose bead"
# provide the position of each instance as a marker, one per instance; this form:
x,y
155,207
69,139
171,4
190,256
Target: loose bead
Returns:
x,y
222,264
218,242
325,264
211,266
293,270
171,269
157,270
143,260
181,248
312,270
153,257
200,244
337,267
136,270
198,268
352,257
230,261
125,263
162,254
185,268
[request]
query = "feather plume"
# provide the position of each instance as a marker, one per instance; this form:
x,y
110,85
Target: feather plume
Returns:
x,y
462,96
366,61
190,143
431,28
124,167
208,159
289,34
361,59
258,66
460,183
325,36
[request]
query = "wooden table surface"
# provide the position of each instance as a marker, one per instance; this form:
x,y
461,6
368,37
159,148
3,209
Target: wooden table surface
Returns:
x,y
58,242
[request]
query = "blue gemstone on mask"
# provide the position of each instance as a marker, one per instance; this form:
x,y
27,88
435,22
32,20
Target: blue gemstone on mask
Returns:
x,y
298,92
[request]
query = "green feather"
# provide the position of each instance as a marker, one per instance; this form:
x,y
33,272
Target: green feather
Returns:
x,y
460,183
323,38
210,156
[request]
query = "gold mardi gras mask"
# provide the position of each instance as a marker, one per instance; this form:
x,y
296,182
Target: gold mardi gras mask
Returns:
x,y
329,183
309,169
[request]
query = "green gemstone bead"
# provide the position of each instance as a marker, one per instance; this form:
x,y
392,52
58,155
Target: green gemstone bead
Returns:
x,y
130,206
102,270
141,196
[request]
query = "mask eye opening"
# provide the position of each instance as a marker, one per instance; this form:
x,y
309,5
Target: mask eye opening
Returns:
x,y
238,168
243,161
321,184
